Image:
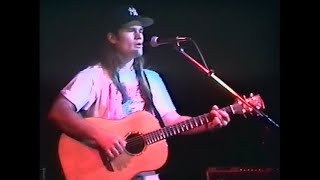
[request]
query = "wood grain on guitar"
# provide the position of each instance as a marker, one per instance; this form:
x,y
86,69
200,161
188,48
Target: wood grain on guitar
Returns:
x,y
146,148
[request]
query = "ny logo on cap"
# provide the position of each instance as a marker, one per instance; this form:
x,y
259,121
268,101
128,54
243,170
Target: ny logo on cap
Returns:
x,y
132,11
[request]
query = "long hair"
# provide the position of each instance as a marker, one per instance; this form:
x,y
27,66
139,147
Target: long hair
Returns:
x,y
111,62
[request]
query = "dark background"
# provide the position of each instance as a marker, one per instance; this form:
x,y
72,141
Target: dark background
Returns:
x,y
240,41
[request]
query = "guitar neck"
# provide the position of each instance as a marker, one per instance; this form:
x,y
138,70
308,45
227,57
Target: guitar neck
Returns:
x,y
181,127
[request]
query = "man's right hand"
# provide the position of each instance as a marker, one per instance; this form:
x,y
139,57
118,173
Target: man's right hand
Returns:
x,y
112,145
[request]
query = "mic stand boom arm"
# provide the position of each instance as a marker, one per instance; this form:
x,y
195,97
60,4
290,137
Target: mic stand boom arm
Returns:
x,y
217,79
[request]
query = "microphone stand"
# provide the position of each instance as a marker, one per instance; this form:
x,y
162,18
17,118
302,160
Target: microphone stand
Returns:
x,y
217,79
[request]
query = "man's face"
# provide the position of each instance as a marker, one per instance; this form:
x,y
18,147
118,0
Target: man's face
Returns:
x,y
129,41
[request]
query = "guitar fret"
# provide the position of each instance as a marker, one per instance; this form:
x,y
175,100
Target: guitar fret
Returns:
x,y
186,125
153,137
193,123
184,128
170,130
202,120
199,120
147,139
163,134
190,122
196,121
178,128
158,135
150,138
207,120
174,130
166,132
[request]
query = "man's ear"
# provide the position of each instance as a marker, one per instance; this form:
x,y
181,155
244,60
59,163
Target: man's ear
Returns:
x,y
111,38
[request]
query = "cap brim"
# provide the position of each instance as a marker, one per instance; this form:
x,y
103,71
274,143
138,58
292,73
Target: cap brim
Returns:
x,y
145,21
141,21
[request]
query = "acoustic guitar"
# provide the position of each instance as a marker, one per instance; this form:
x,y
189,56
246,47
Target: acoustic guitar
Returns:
x,y
146,148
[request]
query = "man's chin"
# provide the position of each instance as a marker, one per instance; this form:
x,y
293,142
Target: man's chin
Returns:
x,y
138,53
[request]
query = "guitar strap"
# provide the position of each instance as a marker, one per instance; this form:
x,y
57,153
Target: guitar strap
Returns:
x,y
151,101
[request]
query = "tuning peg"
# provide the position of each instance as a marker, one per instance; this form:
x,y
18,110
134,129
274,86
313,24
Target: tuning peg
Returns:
x,y
244,113
251,94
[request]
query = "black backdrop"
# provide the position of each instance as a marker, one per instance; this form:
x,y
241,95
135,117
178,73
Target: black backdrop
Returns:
x,y
240,41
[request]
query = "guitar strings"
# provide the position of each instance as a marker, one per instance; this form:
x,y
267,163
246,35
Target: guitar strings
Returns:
x,y
154,136
161,133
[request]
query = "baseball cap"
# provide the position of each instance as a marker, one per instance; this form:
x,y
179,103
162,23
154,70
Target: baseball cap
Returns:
x,y
127,15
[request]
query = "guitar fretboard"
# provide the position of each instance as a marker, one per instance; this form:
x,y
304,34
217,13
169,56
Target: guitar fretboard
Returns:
x,y
180,127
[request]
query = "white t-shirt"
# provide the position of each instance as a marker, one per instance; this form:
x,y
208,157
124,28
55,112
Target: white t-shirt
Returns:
x,y
93,92
94,95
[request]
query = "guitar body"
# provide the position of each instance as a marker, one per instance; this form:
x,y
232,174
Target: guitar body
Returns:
x,y
82,161
146,148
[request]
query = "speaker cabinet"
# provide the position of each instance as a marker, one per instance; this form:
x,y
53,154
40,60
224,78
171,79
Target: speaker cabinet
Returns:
x,y
242,173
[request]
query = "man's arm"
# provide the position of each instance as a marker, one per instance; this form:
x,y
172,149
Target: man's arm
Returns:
x,y
64,116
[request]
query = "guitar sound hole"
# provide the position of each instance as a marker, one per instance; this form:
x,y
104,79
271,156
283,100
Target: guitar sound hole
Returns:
x,y
135,143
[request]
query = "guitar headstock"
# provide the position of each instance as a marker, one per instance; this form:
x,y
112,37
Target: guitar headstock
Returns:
x,y
241,108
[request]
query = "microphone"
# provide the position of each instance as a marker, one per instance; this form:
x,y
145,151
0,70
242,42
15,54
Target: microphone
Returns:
x,y
156,41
